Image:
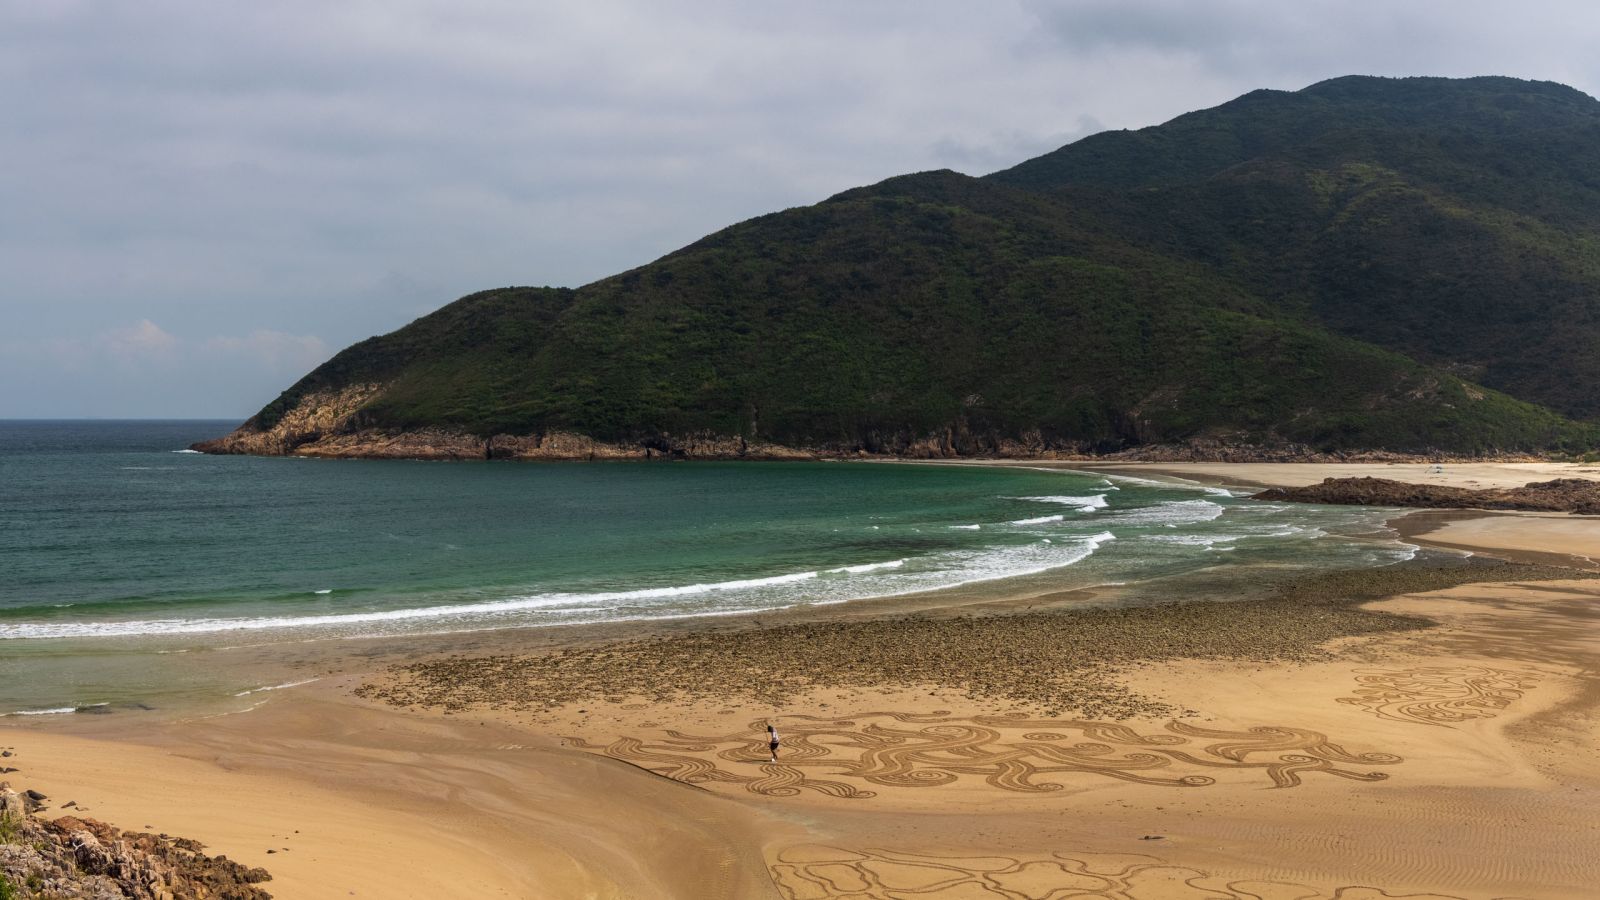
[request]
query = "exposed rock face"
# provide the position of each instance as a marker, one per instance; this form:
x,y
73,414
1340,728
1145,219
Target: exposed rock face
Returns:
x,y
1573,495
440,444
82,859
317,415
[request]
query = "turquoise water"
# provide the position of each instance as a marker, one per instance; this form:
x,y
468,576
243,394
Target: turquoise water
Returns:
x,y
113,540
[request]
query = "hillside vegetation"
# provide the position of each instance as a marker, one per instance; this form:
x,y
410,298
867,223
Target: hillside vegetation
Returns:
x,y
1367,264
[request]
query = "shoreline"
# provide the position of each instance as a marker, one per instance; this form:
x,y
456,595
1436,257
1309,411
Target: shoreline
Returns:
x,y
593,797
355,776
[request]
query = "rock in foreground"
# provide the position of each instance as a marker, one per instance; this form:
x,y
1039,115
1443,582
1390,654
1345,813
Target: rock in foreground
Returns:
x,y
82,859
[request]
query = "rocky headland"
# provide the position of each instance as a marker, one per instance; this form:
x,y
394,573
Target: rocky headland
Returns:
x,y
1052,310
1570,495
330,424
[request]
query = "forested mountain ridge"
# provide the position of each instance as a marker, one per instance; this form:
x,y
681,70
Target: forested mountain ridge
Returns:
x,y
1368,264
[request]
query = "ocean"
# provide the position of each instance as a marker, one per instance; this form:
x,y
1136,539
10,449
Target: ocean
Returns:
x,y
121,551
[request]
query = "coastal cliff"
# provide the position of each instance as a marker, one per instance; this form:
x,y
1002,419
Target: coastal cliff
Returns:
x,y
1367,266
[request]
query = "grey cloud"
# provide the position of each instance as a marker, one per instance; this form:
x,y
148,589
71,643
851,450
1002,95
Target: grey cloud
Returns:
x,y
1292,43
332,171
1003,150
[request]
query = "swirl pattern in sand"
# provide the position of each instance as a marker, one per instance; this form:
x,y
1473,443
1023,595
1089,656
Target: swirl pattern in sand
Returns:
x,y
1438,695
847,757
816,872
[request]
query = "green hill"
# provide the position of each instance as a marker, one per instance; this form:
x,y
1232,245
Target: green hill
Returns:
x,y
1367,264
1454,221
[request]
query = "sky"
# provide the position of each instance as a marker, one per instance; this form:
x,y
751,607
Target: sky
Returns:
x,y
201,201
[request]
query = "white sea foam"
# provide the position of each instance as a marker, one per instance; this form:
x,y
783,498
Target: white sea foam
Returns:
x,y
1148,482
492,608
1172,513
1193,540
870,567
57,711
1041,520
1014,562
488,608
1086,503
965,527
275,687
187,451
1181,484
323,591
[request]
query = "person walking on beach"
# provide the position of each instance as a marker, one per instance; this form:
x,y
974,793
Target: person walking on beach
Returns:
x,y
772,741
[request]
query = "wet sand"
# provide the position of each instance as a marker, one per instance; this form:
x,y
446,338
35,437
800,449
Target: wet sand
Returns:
x,y
1307,741
1564,540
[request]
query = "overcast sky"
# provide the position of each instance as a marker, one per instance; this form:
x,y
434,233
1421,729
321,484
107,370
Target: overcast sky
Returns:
x,y
200,201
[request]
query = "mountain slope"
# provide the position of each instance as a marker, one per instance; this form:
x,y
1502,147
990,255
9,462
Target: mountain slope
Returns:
x,y
1318,271
1456,222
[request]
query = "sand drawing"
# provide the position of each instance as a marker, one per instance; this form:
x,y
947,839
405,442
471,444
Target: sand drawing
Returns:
x,y
1438,695
815,872
848,757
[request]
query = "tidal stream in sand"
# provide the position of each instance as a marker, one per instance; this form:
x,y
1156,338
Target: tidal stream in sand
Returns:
x,y
119,553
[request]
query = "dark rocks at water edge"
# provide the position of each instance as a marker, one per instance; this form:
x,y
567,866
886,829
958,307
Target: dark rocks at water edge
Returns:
x,y
1571,495
81,859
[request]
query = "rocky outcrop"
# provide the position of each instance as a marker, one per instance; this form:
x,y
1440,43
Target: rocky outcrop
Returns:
x,y
442,444
1571,495
328,424
331,424
81,859
317,415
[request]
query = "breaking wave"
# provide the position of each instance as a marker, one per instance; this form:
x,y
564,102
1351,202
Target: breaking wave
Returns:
x,y
56,711
1176,512
889,578
1087,503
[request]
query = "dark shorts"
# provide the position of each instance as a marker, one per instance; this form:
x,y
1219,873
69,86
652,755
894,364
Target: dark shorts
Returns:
x,y
773,746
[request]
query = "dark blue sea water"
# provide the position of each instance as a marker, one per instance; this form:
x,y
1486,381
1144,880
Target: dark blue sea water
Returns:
x,y
114,539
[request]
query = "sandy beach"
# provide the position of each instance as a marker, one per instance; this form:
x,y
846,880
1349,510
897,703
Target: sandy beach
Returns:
x,y
1409,732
